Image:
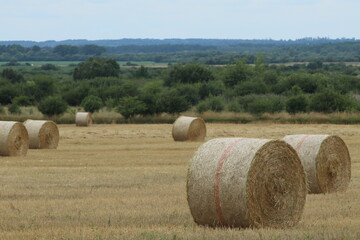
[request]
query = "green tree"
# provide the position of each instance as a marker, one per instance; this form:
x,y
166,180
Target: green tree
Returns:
x,y
96,67
7,93
328,100
13,75
188,73
92,103
174,102
64,50
297,102
52,106
40,87
92,49
150,95
130,106
240,72
22,101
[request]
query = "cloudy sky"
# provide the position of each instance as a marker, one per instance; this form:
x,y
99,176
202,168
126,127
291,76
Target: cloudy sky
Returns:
x,y
41,20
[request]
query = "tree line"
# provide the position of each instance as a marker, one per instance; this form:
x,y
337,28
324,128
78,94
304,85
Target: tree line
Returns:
x,y
186,51
259,88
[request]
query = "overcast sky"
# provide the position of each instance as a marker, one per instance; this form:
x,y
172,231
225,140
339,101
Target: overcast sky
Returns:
x,y
41,20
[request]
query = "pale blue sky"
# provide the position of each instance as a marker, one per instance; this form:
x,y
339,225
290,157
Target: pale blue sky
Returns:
x,y
41,20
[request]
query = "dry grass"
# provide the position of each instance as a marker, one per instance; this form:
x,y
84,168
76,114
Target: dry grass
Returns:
x,y
128,182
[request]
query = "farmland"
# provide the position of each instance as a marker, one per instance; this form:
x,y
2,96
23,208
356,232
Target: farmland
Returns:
x,y
127,181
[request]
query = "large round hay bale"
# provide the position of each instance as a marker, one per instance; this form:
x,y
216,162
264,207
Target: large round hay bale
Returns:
x,y
245,182
326,161
14,139
83,119
189,129
43,134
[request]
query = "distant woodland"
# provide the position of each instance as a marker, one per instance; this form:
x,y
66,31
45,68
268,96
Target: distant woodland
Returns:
x,y
205,51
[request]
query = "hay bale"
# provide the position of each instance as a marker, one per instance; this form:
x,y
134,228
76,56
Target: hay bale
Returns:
x,y
43,134
14,139
189,129
83,119
245,182
326,161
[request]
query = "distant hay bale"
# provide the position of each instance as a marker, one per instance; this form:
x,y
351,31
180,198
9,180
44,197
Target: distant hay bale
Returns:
x,y
83,119
189,129
245,182
43,134
326,161
14,139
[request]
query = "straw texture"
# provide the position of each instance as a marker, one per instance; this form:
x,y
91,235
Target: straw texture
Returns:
x,y
244,182
189,129
326,161
83,119
14,139
43,134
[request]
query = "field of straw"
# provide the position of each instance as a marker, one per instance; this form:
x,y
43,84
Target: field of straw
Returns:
x,y
129,182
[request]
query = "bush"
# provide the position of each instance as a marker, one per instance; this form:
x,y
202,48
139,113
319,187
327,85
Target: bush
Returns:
x,y
14,109
188,73
235,106
257,104
251,87
296,103
2,110
52,106
7,94
130,106
92,103
212,103
13,75
96,67
22,101
174,102
328,100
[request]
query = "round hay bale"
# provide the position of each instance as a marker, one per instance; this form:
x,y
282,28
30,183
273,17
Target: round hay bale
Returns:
x,y
43,134
189,129
14,139
246,182
326,161
83,119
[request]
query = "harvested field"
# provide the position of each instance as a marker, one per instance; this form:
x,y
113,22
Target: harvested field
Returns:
x,y
129,182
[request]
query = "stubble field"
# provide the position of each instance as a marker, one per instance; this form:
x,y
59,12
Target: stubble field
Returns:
x,y
129,182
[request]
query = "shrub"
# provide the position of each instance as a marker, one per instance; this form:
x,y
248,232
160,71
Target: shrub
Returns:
x,y
188,73
296,103
257,104
174,102
7,94
52,106
92,103
235,106
22,101
251,87
13,75
328,100
96,67
211,88
2,110
213,103
130,106
14,109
